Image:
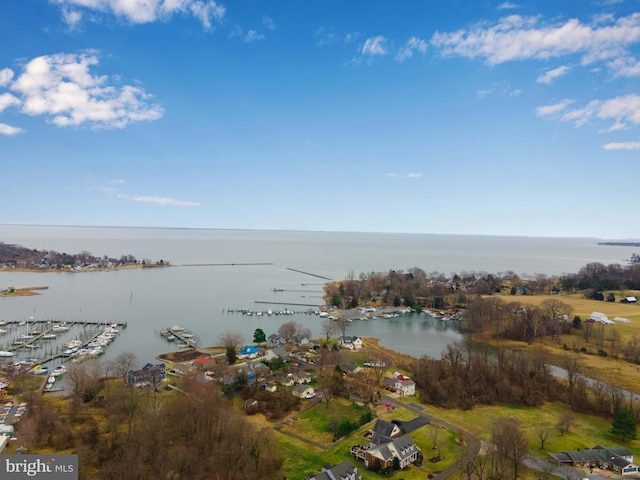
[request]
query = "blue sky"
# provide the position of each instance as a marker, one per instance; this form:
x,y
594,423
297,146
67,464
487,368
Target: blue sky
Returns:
x,y
498,118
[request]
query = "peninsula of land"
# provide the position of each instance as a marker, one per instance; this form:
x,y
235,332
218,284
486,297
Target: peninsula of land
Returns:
x,y
16,258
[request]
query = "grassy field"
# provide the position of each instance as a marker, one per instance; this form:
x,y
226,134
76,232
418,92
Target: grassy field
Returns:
x,y
605,369
583,307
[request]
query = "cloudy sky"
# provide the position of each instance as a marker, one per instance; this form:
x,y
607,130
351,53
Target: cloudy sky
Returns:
x,y
498,118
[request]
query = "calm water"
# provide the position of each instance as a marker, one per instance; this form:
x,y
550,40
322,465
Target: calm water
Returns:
x,y
198,297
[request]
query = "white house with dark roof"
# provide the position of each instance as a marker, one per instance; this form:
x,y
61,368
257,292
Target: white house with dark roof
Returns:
x,y
384,453
405,387
350,342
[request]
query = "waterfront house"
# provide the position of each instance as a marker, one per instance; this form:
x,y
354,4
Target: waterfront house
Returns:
x,y
350,342
343,471
147,375
248,351
275,340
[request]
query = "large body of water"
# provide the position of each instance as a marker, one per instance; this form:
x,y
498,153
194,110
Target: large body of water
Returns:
x,y
198,296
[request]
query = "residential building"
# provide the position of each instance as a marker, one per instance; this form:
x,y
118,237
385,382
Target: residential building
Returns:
x,y
147,375
343,471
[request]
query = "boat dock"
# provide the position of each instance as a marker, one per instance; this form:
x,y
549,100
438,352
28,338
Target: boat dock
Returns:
x,y
185,338
46,335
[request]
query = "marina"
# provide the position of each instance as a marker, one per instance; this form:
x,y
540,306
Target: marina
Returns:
x,y
36,346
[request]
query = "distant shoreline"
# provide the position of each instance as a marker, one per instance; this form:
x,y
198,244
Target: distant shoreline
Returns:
x,y
620,244
81,270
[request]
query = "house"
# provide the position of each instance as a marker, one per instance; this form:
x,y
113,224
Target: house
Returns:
x,y
600,317
303,391
617,459
147,375
275,340
405,387
384,429
384,453
352,343
248,351
271,387
274,353
629,300
286,380
302,377
343,471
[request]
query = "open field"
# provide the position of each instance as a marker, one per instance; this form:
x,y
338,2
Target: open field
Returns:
x,y
583,306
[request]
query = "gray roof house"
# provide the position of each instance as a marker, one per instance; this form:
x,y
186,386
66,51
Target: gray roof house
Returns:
x,y
618,459
343,471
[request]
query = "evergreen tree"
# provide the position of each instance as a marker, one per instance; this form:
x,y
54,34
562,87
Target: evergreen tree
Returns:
x,y
624,424
259,336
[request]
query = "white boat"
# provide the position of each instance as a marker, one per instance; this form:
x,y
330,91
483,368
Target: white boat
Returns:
x,y
4,353
38,370
59,370
177,328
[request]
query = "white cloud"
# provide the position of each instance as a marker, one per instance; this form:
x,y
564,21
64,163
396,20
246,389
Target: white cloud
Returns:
x,y
554,108
551,75
520,38
253,36
8,100
623,110
413,44
62,88
408,175
117,181
268,23
9,130
328,37
71,17
507,6
625,67
144,11
159,200
622,146
375,46
6,74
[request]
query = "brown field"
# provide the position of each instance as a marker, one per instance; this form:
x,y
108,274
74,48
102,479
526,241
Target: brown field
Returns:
x,y
605,369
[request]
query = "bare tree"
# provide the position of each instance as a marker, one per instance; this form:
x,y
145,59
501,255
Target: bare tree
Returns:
x,y
230,339
542,432
510,442
565,422
329,328
342,324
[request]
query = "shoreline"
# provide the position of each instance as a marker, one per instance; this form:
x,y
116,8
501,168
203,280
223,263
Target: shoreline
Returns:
x,y
82,270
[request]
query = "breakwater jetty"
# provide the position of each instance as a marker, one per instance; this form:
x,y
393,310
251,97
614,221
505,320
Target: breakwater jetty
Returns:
x,y
310,274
